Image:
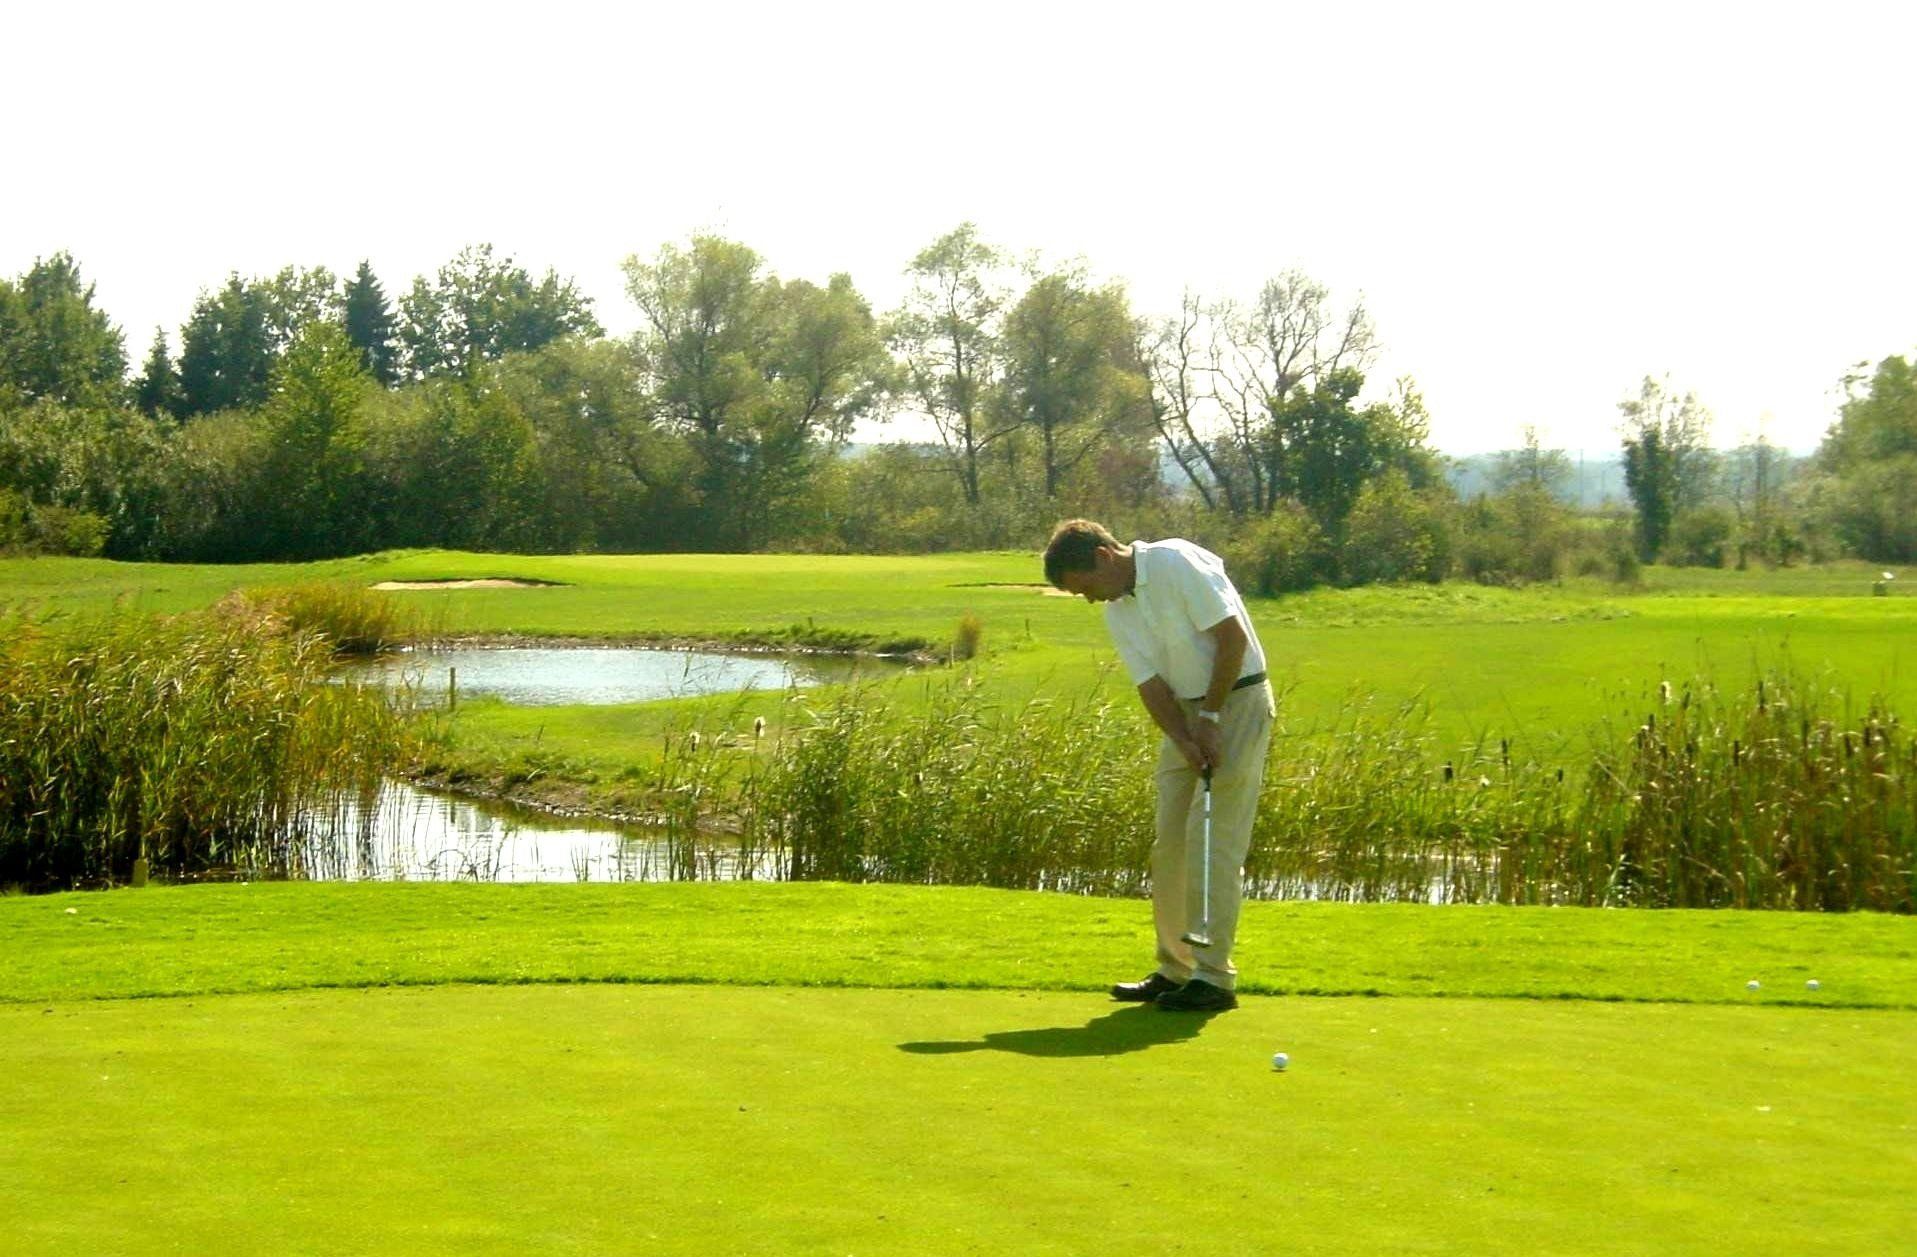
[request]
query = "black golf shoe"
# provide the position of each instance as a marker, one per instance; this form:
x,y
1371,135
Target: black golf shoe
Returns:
x,y
1197,996
1146,991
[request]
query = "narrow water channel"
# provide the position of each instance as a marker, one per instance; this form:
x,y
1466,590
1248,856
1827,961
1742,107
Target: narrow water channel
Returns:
x,y
416,835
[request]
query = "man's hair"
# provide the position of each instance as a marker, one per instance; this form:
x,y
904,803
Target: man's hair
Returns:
x,y
1071,546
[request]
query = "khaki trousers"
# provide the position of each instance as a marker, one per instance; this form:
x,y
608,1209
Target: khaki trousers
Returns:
x,y
1178,854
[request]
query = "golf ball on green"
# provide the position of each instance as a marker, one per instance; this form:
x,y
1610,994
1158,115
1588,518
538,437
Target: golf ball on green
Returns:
x,y
1811,985
1279,1060
1752,985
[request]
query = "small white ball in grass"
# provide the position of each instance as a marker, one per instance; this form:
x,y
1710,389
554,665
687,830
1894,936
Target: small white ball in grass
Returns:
x,y
1752,985
1811,985
1279,1060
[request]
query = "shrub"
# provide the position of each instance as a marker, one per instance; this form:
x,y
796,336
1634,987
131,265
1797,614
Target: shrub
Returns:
x,y
971,632
1701,537
1280,553
1392,534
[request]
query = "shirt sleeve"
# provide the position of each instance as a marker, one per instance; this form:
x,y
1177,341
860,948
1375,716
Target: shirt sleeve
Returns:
x,y
1203,602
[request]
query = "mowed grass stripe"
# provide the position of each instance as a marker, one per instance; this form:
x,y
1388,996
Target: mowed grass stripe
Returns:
x,y
682,1120
180,941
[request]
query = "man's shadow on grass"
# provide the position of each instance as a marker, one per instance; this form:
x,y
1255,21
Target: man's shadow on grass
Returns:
x,y
1130,1029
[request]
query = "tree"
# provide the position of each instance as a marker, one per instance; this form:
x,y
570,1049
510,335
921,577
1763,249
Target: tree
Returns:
x,y
755,375
1171,352
1756,476
479,310
1262,359
1667,461
157,391
1072,378
371,326
946,335
610,478
1870,460
1531,466
312,478
54,345
1333,449
227,350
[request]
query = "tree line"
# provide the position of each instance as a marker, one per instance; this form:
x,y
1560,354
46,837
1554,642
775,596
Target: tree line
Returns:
x,y
308,416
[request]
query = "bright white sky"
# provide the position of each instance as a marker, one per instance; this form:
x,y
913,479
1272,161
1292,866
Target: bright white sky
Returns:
x,y
1541,204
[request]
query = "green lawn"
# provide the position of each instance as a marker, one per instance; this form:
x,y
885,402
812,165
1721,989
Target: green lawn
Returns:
x,y
700,1069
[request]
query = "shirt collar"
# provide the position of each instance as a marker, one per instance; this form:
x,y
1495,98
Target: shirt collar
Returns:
x,y
1139,578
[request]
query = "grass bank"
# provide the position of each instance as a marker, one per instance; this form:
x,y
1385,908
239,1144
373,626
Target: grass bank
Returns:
x,y
203,940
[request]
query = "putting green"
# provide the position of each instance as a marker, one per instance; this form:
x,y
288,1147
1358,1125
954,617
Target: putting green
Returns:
x,y
633,1119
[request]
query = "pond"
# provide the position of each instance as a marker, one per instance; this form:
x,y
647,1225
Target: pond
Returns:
x,y
416,835
550,676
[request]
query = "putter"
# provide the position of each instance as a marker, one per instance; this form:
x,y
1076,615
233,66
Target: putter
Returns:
x,y
1201,937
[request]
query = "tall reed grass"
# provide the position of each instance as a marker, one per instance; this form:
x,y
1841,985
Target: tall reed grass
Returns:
x,y
198,743
1780,797
353,619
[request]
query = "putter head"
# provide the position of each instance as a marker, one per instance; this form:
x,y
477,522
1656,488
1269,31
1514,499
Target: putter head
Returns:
x,y
1196,939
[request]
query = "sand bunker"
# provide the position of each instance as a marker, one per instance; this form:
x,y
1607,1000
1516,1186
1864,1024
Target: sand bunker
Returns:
x,y
489,582
1047,590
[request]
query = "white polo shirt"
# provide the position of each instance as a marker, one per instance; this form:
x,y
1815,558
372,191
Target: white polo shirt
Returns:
x,y
1179,592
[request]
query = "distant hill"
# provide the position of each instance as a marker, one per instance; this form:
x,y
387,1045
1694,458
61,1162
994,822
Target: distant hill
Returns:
x,y
1593,482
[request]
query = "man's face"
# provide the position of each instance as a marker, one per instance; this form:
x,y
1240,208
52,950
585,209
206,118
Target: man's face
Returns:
x,y
1103,583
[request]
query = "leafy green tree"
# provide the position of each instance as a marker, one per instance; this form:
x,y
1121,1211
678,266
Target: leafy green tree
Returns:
x,y
946,335
478,309
1869,459
157,391
756,376
610,478
209,505
1667,460
54,345
313,472
1877,424
92,460
1331,449
372,326
1073,382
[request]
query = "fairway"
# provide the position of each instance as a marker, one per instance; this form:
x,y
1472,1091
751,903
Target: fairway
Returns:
x,y
711,1120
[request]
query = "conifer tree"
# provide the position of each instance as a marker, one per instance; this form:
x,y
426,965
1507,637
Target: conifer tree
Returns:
x,y
370,325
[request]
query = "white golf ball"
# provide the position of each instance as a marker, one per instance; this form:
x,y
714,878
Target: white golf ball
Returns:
x,y
1811,985
1279,1060
1752,985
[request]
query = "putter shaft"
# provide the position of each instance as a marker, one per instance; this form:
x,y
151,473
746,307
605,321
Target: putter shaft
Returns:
x,y
1201,937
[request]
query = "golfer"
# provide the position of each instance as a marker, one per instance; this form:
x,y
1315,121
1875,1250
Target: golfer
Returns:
x,y
1187,642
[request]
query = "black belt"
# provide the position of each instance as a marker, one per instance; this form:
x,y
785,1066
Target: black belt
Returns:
x,y
1241,683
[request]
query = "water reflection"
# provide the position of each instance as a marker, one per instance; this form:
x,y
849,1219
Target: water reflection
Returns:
x,y
550,676
414,835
